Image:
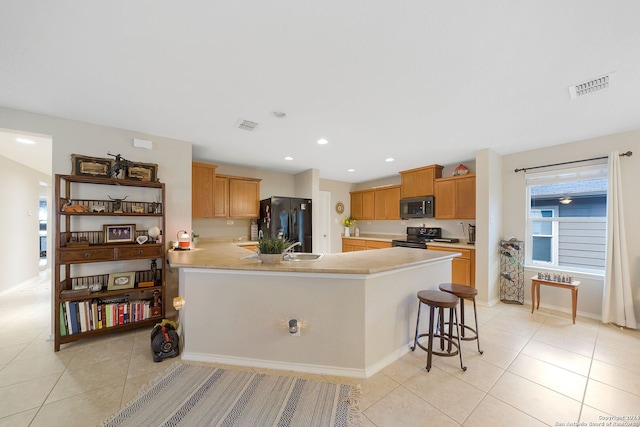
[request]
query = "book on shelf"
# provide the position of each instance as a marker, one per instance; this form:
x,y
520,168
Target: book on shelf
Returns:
x,y
74,316
63,321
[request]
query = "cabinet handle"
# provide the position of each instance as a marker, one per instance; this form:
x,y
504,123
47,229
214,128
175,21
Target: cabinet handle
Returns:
x,y
140,252
87,254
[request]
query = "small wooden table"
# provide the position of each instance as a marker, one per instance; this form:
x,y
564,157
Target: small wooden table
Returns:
x,y
535,292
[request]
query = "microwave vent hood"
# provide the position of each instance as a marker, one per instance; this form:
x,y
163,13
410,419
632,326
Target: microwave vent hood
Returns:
x,y
417,207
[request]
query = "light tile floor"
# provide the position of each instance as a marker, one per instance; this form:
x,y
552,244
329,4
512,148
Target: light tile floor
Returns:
x,y
537,369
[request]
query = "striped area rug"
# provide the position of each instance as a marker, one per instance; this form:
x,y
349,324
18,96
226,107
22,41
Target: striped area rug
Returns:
x,y
192,395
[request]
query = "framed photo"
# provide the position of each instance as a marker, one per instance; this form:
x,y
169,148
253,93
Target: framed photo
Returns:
x,y
90,166
119,233
119,281
142,171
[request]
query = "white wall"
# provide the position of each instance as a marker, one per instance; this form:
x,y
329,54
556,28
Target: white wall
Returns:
x,y
514,211
172,156
19,223
488,224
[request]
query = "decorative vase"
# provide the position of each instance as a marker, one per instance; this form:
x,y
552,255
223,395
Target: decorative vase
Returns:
x,y
347,232
270,258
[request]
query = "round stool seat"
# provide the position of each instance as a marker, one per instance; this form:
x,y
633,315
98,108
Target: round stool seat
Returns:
x,y
462,291
438,299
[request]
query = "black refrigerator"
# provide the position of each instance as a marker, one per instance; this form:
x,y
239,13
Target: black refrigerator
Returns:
x,y
288,218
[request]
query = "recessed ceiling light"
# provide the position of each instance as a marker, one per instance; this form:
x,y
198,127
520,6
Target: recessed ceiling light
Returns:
x,y
351,170
25,141
322,141
288,158
389,159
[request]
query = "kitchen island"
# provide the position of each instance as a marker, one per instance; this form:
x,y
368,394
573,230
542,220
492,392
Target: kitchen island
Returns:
x,y
356,310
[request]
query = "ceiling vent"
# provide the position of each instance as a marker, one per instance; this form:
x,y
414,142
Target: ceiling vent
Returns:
x,y
591,86
246,124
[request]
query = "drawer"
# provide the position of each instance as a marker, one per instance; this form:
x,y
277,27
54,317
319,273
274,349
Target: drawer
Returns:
x,y
354,242
466,253
87,255
377,244
139,252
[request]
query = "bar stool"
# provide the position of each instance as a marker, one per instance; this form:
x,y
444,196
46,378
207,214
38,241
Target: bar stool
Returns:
x,y
441,301
464,292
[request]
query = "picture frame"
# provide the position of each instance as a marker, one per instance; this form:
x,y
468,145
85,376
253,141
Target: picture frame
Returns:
x,y
119,281
119,233
90,166
142,171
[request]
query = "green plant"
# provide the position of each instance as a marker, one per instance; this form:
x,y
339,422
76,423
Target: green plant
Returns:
x,y
270,245
348,221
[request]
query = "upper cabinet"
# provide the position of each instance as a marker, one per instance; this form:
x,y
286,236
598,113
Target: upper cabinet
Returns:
x,y
419,182
363,204
221,199
455,197
223,196
244,197
387,202
202,190
379,203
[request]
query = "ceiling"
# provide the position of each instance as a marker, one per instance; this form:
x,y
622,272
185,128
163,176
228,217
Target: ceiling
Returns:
x,y
420,81
36,155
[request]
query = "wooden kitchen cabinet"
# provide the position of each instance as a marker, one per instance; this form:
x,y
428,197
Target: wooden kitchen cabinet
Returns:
x,y
419,182
236,197
222,196
363,204
352,245
379,203
463,268
244,197
203,190
221,200
387,203
455,197
377,244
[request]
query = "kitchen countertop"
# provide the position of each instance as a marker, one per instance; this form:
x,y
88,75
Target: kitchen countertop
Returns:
x,y
228,256
462,244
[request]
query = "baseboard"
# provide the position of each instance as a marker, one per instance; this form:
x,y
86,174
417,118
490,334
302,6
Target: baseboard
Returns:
x,y
281,366
387,360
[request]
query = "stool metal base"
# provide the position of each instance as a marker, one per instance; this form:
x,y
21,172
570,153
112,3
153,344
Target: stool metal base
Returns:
x,y
464,327
451,339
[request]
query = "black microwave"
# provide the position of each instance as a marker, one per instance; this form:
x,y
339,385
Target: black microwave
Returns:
x,y
417,207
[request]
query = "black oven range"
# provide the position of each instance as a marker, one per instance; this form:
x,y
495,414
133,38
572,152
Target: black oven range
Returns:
x,y
418,237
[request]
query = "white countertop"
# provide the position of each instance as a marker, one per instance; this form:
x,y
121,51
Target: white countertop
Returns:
x,y
230,256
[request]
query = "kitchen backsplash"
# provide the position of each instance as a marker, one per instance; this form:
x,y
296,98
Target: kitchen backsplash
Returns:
x,y
220,227
450,228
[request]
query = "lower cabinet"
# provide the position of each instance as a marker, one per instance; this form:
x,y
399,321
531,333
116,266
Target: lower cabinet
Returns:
x,y
351,245
463,268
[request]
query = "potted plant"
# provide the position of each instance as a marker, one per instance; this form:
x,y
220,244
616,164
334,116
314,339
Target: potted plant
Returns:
x,y
348,223
270,250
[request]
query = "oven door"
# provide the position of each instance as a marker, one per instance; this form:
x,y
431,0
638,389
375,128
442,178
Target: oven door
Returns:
x,y
405,244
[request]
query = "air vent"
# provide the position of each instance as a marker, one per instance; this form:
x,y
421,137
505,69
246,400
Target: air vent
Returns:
x,y
247,124
591,86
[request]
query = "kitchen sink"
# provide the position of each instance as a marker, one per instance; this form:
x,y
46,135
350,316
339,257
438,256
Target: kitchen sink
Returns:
x,y
300,256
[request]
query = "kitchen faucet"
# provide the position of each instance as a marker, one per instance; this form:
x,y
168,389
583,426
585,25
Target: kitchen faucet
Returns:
x,y
291,246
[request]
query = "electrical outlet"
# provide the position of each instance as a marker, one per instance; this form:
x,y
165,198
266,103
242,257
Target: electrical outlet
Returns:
x,y
460,223
230,222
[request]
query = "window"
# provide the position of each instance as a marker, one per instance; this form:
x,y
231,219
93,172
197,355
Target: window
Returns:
x,y
567,219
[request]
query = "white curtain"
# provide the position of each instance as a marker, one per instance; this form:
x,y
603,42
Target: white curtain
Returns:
x,y
617,301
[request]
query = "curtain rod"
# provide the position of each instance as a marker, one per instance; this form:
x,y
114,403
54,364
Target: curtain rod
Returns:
x,y
627,154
